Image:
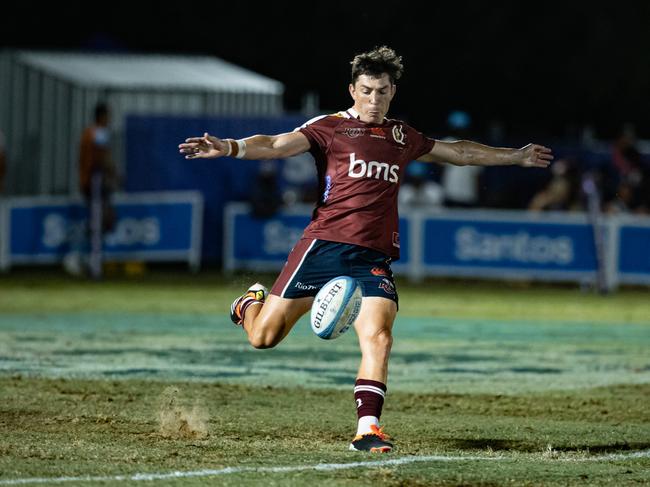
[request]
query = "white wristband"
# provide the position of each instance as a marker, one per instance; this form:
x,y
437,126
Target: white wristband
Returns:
x,y
236,148
241,146
227,141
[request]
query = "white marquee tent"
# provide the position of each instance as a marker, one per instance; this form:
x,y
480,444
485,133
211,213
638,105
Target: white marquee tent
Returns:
x,y
47,98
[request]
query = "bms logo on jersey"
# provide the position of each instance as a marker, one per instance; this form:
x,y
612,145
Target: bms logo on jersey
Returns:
x,y
379,170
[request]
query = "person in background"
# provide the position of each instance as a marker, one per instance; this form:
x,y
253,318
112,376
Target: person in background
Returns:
x,y
97,181
625,155
562,191
95,160
3,163
631,193
460,183
419,190
265,198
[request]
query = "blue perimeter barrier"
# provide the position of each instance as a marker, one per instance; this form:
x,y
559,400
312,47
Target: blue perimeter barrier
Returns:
x,y
153,163
162,226
471,243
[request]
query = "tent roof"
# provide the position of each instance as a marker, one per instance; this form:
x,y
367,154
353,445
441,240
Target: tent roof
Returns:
x,y
150,71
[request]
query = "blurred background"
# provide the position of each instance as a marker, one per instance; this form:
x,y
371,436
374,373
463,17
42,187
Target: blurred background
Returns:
x,y
111,94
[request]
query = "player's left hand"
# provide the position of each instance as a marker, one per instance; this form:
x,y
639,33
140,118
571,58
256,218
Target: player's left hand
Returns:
x,y
533,155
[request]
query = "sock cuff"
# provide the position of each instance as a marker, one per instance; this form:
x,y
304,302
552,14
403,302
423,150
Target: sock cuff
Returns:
x,y
246,304
370,386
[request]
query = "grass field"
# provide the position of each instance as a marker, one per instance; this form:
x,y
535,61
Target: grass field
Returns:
x,y
124,381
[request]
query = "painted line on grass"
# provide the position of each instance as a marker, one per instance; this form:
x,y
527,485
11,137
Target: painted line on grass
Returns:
x,y
299,468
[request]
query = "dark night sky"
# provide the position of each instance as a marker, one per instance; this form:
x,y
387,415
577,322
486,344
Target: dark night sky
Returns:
x,y
542,72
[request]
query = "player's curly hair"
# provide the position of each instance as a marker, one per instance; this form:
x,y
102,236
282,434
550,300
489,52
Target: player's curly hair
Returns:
x,y
377,62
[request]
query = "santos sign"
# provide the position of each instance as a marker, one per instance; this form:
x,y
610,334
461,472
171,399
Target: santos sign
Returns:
x,y
512,244
150,227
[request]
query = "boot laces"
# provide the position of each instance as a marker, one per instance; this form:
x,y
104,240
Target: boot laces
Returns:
x,y
379,432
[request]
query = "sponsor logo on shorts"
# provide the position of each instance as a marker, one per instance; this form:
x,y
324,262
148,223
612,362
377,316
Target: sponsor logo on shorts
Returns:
x,y
378,271
305,287
387,286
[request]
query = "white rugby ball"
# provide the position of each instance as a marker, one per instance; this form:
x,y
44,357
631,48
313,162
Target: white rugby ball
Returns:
x,y
335,308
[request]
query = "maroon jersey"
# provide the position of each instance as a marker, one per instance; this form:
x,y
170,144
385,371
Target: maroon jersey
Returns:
x,y
360,167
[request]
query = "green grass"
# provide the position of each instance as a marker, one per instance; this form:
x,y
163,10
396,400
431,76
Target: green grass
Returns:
x,y
543,377
210,293
54,428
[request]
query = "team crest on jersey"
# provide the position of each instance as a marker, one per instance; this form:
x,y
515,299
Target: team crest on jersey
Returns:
x,y
353,133
398,135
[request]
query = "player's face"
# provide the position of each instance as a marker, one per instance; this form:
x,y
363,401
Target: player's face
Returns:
x,y
372,97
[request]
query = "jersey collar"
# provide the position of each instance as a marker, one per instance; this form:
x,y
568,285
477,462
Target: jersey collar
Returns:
x,y
352,113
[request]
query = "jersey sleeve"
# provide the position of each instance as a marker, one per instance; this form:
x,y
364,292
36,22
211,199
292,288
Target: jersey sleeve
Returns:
x,y
419,144
319,131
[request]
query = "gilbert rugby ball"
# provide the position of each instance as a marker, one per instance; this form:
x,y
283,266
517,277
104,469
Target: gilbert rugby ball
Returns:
x,y
335,308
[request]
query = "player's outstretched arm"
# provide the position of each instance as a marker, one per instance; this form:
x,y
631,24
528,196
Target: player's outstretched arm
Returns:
x,y
255,147
465,153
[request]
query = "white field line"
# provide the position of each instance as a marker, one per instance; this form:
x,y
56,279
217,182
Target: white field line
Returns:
x,y
318,467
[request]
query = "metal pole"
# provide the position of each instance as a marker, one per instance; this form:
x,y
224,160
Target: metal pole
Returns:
x,y
96,216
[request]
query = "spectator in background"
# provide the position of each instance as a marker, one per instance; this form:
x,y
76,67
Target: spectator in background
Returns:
x,y
418,189
301,181
95,161
624,199
628,188
625,155
265,194
3,163
563,190
97,181
460,183
632,193
643,191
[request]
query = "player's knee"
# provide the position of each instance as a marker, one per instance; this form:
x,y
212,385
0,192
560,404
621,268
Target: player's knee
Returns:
x,y
261,344
381,339
385,340
264,338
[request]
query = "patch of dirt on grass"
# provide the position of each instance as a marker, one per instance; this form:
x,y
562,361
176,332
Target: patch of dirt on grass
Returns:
x,y
177,420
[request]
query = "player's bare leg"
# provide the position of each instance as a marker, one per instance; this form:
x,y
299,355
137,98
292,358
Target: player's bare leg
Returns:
x,y
267,324
374,328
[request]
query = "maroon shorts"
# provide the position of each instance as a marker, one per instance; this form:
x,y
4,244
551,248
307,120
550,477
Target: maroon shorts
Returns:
x,y
314,262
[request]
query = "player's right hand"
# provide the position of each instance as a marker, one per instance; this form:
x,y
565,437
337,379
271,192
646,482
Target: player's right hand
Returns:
x,y
206,147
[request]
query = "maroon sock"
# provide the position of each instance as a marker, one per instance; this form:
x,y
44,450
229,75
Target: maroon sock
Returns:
x,y
245,305
369,396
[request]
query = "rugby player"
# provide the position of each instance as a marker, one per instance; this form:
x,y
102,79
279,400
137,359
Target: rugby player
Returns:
x,y
361,157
